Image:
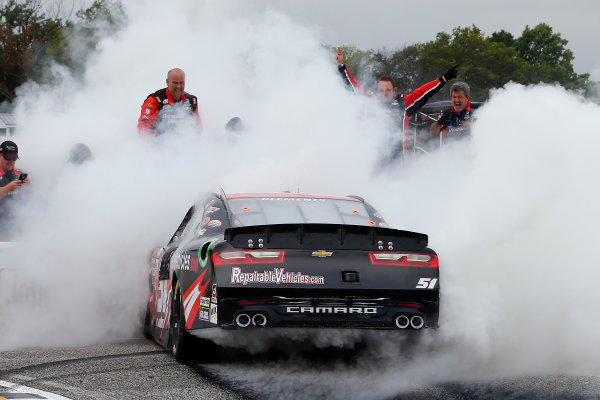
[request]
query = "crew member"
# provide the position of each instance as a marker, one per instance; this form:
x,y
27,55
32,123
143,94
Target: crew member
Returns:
x,y
163,109
401,106
455,124
80,153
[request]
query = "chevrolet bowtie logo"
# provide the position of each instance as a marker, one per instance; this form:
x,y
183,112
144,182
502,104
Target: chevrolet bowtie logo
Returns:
x,y
322,253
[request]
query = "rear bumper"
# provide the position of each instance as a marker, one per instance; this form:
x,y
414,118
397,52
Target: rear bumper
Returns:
x,y
373,313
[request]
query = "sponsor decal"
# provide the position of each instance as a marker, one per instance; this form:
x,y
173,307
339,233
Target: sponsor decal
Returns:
x,y
191,300
213,313
215,223
383,224
162,303
149,105
145,117
183,262
203,315
355,211
278,276
214,293
372,222
205,221
322,253
211,209
330,310
147,111
194,264
200,233
165,101
204,302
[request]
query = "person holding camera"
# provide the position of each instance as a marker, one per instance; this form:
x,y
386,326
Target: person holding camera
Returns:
x,y
456,123
11,179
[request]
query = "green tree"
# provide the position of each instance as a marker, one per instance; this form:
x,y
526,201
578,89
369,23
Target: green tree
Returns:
x,y
547,52
25,35
30,42
503,37
483,64
359,62
404,66
102,19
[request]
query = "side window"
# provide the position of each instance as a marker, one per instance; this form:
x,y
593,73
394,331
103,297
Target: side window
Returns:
x,y
214,218
179,232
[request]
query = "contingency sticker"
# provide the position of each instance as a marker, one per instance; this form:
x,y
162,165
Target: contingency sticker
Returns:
x,y
204,302
203,314
213,313
215,223
214,293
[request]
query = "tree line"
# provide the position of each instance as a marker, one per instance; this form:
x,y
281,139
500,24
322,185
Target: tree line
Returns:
x,y
31,41
539,55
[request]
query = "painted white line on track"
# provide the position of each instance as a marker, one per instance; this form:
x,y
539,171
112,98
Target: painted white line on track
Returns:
x,y
11,387
77,392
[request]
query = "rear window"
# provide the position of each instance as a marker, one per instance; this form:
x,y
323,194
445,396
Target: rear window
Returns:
x,y
297,210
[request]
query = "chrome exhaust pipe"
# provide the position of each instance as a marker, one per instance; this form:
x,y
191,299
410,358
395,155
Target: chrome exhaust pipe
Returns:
x,y
242,320
402,321
259,320
417,322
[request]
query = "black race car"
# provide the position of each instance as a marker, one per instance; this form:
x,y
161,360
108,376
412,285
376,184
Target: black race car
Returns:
x,y
249,261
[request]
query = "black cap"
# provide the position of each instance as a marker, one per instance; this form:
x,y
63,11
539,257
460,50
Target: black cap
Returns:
x,y
9,150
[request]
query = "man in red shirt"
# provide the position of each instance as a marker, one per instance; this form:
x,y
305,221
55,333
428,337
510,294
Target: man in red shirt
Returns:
x,y
165,108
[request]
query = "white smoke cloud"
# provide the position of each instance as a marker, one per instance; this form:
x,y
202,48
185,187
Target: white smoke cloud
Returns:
x,y
512,213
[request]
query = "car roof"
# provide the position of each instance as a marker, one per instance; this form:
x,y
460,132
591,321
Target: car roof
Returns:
x,y
289,195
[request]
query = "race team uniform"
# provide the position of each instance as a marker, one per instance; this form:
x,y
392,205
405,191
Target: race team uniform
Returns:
x,y
403,107
161,113
453,129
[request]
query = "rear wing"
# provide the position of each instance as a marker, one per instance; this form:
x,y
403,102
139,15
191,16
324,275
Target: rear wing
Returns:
x,y
325,236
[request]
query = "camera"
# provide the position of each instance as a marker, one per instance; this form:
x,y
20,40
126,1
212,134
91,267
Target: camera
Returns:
x,y
22,177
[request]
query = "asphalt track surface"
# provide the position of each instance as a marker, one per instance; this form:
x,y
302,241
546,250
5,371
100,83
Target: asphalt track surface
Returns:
x,y
140,369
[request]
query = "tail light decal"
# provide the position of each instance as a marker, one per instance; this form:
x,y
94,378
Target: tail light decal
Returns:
x,y
248,257
404,259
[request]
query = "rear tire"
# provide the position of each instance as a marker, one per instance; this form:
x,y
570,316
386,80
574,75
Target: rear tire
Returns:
x,y
185,347
147,326
181,341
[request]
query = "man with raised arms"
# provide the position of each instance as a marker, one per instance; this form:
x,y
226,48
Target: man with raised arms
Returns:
x,y
400,106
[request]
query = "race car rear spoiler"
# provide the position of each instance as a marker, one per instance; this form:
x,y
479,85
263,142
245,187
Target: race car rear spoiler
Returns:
x,y
325,236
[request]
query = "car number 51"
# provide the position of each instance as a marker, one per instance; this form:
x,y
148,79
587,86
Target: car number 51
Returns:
x,y
426,283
